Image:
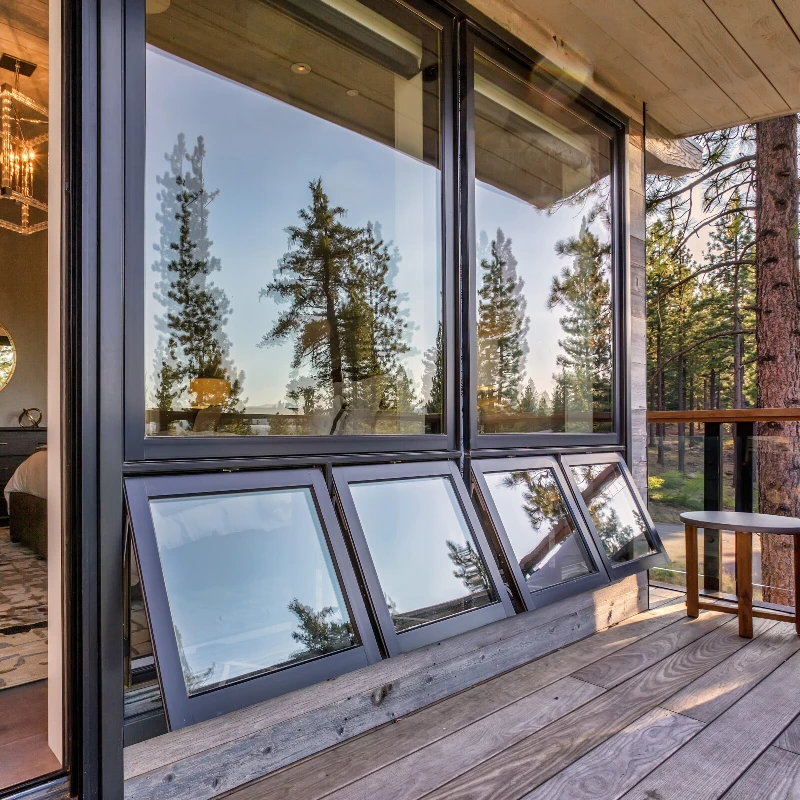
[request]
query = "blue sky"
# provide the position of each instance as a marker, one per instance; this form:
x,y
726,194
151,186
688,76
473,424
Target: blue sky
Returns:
x,y
261,155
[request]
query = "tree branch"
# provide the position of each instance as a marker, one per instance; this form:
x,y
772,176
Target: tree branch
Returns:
x,y
708,221
697,273
701,179
740,332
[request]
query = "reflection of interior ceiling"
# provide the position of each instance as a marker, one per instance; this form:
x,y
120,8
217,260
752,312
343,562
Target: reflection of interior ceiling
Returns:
x,y
352,80
23,33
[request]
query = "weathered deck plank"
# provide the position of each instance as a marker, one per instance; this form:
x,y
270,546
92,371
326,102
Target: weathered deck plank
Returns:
x,y
774,776
414,776
618,667
335,768
790,738
617,765
726,748
721,687
523,767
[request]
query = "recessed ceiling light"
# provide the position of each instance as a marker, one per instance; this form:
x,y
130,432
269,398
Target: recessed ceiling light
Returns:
x,y
157,6
352,92
300,68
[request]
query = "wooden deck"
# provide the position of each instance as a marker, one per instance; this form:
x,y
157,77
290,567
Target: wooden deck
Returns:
x,y
659,707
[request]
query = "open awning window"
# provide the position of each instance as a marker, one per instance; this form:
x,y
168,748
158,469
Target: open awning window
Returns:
x,y
625,535
249,589
424,557
543,542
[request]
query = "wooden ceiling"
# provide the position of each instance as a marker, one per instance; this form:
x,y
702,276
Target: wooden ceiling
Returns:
x,y
699,65
23,33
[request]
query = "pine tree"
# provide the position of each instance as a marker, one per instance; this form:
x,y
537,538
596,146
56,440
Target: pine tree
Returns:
x,y
314,277
373,330
318,634
500,345
470,569
433,379
193,342
584,290
345,317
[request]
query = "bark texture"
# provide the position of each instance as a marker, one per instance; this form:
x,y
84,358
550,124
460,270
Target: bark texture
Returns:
x,y
777,342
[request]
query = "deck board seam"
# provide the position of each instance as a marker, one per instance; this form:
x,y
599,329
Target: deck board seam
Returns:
x,y
706,726
730,624
640,617
466,727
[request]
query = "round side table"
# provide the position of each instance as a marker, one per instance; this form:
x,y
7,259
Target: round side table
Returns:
x,y
744,525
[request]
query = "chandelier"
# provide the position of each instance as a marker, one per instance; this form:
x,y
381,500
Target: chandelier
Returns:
x,y
21,123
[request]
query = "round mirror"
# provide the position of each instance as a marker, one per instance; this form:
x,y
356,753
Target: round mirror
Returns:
x,y
8,357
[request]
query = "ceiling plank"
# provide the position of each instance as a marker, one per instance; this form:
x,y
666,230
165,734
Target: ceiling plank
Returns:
x,y
703,37
791,10
612,65
763,33
652,47
30,16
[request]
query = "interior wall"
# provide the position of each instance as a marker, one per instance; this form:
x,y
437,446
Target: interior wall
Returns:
x,y
23,311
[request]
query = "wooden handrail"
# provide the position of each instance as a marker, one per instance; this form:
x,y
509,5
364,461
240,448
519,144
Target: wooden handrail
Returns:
x,y
727,415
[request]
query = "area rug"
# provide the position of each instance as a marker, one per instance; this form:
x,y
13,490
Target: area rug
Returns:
x,y
23,614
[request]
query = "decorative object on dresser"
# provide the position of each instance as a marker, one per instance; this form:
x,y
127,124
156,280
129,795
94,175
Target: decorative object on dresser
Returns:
x,y
16,444
30,418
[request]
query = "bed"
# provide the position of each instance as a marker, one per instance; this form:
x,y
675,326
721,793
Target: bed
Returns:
x,y
26,496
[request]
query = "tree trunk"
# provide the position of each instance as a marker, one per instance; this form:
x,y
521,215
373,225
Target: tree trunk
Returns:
x,y
777,341
681,407
738,367
660,382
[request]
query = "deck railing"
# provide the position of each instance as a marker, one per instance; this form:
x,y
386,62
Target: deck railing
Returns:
x,y
725,453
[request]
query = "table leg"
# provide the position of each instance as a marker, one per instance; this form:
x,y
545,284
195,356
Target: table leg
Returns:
x,y
744,582
692,581
796,545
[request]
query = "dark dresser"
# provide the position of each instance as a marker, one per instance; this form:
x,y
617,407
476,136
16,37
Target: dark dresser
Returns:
x,y
16,444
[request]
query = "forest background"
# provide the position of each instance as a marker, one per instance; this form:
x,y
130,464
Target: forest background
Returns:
x,y
723,313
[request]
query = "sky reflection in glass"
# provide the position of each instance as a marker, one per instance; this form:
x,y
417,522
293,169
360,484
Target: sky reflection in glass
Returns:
x,y
250,583
426,559
543,259
368,132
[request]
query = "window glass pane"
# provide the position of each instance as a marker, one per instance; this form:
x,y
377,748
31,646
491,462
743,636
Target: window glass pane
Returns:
x,y
540,528
543,253
616,516
250,583
426,559
292,219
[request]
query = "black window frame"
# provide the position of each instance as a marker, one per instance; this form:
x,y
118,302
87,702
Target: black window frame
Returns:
x,y
616,571
395,643
103,96
182,709
138,446
529,599
522,66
